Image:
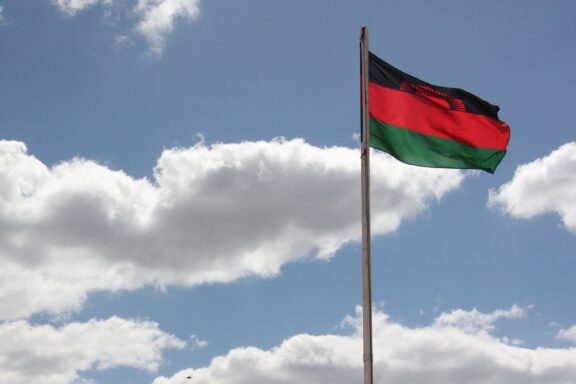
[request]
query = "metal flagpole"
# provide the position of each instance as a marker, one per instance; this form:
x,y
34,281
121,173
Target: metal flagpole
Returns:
x,y
365,190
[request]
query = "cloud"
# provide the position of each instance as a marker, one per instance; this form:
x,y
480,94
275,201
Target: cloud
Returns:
x,y
210,214
71,7
474,321
196,343
546,185
157,19
122,41
2,18
568,334
44,354
436,354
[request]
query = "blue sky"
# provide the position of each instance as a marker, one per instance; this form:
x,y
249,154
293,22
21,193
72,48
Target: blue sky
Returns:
x,y
179,195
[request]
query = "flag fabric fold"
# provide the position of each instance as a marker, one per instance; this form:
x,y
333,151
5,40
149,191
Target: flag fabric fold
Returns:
x,y
426,125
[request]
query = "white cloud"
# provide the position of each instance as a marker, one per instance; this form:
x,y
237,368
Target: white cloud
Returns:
x,y
475,321
48,355
546,185
2,18
568,334
196,343
212,214
437,354
71,7
122,41
157,19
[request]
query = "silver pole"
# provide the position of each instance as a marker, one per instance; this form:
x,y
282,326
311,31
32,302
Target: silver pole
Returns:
x,y
365,190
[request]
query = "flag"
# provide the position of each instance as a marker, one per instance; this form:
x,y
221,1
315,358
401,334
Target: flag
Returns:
x,y
431,126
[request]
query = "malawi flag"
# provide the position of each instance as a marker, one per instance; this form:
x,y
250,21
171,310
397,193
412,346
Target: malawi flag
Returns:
x,y
430,126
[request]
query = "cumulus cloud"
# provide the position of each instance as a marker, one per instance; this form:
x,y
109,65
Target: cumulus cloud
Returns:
x,y
44,354
546,185
437,354
568,334
475,321
157,19
71,7
210,214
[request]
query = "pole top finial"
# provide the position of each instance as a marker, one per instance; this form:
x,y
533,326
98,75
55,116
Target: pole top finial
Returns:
x,y
363,33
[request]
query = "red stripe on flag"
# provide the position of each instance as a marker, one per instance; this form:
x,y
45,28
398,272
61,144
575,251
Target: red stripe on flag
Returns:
x,y
419,114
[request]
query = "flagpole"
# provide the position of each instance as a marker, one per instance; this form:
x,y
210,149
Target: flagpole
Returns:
x,y
365,191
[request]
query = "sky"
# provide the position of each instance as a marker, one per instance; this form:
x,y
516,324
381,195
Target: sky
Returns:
x,y
180,195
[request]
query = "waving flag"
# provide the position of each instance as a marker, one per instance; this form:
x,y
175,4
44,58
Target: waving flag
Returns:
x,y
431,126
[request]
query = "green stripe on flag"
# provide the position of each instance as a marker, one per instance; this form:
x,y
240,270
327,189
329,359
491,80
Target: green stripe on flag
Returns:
x,y
428,151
